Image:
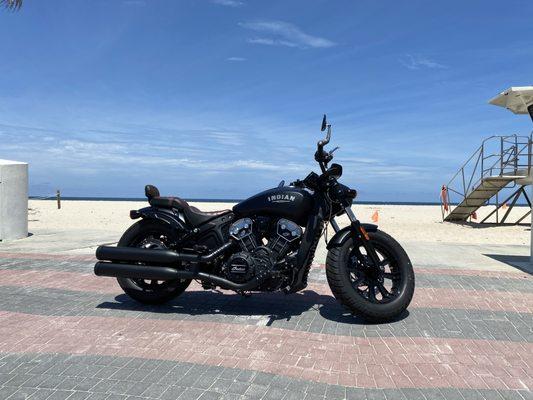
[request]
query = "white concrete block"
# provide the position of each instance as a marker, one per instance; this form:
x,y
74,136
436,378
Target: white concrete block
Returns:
x,y
13,200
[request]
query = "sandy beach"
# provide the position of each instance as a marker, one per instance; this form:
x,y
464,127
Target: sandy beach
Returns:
x,y
406,223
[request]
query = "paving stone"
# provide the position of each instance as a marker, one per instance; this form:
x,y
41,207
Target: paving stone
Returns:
x,y
97,396
238,387
60,395
155,390
191,394
42,394
274,393
34,381
69,383
514,395
526,394
221,385
276,320
256,391
210,396
22,394
172,393
433,394
335,392
232,396
85,385
375,394
246,376
7,391
82,396
413,394
483,324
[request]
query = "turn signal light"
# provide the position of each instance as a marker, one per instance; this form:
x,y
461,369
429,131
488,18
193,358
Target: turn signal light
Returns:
x,y
364,233
134,214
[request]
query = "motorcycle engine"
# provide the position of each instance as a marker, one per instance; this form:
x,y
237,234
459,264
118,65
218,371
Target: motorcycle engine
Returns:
x,y
257,259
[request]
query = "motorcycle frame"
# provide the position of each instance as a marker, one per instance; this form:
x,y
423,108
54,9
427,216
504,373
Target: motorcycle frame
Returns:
x,y
305,253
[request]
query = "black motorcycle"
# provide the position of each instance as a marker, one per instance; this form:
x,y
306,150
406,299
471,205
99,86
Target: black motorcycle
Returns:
x,y
260,246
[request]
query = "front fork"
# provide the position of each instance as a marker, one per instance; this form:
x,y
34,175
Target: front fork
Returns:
x,y
359,232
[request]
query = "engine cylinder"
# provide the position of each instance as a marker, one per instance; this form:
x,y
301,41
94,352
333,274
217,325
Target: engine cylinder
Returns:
x,y
287,232
241,230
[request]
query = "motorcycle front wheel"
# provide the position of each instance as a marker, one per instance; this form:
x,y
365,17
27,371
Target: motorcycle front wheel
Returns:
x,y
377,294
149,234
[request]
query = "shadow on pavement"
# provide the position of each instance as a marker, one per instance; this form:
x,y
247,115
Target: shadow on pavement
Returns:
x,y
274,306
522,263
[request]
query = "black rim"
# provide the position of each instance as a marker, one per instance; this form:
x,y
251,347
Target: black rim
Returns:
x,y
156,241
376,285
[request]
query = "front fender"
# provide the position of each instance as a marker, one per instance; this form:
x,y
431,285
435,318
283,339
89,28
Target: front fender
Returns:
x,y
161,214
341,236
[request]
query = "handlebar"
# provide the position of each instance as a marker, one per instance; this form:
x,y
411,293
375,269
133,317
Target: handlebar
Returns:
x,y
321,156
322,143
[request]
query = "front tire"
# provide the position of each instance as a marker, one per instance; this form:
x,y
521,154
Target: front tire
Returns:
x,y
156,235
377,295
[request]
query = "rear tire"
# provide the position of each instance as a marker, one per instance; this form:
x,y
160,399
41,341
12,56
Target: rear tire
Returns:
x,y
150,234
352,286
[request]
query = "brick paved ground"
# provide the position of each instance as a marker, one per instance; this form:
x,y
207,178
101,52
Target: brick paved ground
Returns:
x,y
66,334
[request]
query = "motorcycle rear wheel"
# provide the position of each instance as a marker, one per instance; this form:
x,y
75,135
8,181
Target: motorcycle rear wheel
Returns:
x,y
376,294
151,235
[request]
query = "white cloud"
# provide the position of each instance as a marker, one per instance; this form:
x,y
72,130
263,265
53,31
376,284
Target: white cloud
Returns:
x,y
285,34
272,42
414,62
236,59
96,153
228,3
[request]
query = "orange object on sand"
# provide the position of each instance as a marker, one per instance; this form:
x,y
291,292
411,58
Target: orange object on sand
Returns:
x,y
375,216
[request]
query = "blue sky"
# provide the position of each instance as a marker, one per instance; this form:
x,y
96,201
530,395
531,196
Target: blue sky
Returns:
x,y
223,98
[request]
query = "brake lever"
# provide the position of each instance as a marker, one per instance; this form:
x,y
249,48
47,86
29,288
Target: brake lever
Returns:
x,y
335,149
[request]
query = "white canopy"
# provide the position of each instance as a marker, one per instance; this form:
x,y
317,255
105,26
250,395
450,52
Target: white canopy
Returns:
x,y
516,99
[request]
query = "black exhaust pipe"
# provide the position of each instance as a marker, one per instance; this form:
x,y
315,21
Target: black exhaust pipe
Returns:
x,y
167,273
225,284
161,269
140,271
155,256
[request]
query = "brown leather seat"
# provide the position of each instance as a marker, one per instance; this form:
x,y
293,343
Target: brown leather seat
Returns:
x,y
193,215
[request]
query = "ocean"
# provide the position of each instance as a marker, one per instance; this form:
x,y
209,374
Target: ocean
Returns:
x,y
396,203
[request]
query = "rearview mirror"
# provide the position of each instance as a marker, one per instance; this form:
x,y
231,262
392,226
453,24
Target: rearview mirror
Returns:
x,y
324,123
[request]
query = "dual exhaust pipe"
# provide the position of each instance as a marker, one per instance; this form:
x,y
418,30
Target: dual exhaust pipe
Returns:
x,y
121,262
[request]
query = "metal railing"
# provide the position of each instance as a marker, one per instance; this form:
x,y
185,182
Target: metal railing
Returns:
x,y
497,156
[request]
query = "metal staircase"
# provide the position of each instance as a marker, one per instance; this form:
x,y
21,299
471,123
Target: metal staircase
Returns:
x,y
500,162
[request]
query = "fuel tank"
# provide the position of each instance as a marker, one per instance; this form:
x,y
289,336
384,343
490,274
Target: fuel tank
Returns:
x,y
285,202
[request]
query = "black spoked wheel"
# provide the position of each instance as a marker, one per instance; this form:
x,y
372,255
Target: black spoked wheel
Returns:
x,y
151,235
377,285
376,293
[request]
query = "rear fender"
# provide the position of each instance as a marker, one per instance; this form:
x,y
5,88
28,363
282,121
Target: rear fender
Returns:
x,y
344,234
167,216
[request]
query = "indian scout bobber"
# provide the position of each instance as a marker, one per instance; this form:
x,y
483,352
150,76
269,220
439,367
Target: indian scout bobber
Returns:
x,y
266,243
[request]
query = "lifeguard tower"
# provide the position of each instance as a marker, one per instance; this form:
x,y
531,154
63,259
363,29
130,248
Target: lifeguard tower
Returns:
x,y
501,162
